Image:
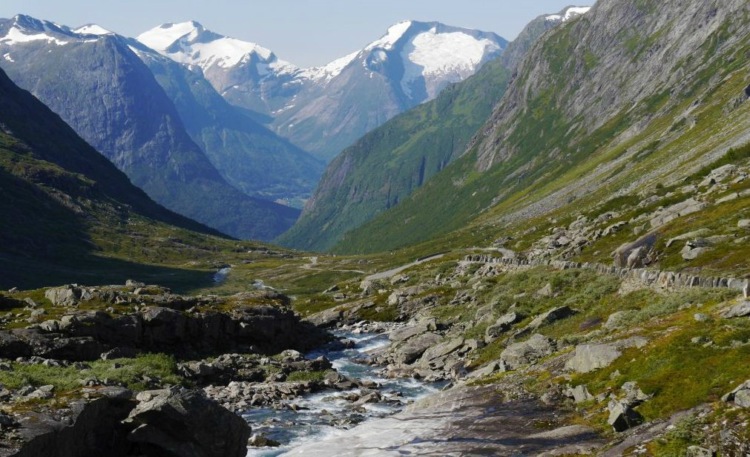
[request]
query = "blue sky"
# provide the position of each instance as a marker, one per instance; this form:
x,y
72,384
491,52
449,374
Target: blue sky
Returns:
x,y
304,32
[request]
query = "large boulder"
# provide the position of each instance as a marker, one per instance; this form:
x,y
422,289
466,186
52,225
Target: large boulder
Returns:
x,y
635,254
90,428
412,349
526,352
63,296
590,357
739,310
185,423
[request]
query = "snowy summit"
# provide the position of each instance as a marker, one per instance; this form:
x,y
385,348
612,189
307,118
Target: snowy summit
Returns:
x,y
190,43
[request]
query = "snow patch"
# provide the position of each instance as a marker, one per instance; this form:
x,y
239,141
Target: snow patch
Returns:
x,y
16,36
453,56
330,71
7,57
570,13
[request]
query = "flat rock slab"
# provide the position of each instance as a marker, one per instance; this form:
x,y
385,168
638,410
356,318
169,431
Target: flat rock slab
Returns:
x,y
463,421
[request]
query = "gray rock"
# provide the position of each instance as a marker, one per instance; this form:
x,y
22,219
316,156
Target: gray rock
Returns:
x,y
671,213
730,396
697,451
412,349
63,296
622,416
551,316
700,317
502,325
404,333
634,396
526,352
545,291
590,357
742,398
740,310
622,254
50,326
119,353
186,423
579,393
486,370
743,224
442,349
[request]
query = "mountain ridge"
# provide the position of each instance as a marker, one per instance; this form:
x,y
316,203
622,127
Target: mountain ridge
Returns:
x,y
317,108
92,81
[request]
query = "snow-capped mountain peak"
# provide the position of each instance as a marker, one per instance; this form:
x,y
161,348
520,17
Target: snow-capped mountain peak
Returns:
x,y
389,40
93,29
191,43
568,13
26,29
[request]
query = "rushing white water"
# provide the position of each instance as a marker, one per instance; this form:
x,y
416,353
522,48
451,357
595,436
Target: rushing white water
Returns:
x,y
328,413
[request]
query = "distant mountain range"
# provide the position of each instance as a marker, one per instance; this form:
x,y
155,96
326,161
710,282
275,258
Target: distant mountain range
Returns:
x,y
325,109
186,123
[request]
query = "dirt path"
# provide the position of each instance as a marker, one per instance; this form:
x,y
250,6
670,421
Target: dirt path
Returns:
x,y
394,271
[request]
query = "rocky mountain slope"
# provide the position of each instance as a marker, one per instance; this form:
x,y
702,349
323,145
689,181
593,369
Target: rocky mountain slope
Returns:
x,y
248,155
61,196
387,165
325,109
591,114
99,85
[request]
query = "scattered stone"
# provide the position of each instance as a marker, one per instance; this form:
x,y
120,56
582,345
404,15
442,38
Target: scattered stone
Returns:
x,y
700,317
545,291
743,224
740,310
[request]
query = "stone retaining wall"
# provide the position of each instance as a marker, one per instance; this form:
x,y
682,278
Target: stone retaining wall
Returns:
x,y
649,277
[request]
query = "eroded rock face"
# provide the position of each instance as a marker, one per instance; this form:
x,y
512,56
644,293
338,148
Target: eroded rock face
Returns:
x,y
86,335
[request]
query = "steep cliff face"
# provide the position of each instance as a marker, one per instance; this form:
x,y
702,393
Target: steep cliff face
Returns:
x,y
617,57
632,94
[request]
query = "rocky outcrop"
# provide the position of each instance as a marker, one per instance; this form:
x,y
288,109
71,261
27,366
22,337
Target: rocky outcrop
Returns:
x,y
179,423
85,335
185,423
